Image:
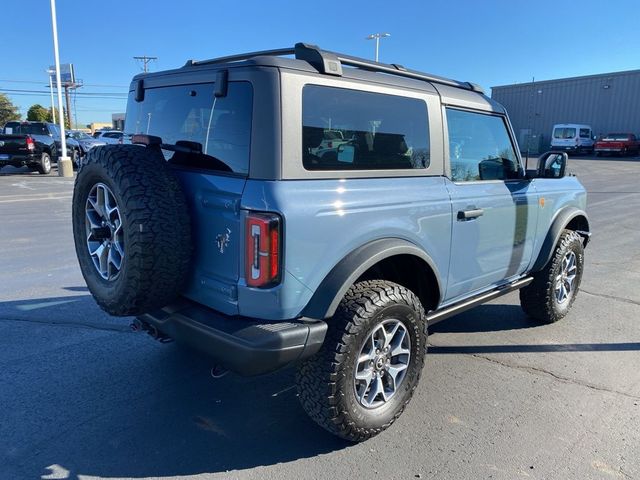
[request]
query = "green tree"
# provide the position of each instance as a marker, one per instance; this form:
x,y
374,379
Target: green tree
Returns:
x,y
8,111
37,113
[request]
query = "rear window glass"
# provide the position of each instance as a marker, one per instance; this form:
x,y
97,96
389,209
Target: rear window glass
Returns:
x,y
617,137
564,133
352,130
214,133
31,129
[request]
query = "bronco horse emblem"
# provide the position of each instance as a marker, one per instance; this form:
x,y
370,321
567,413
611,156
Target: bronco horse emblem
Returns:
x,y
223,240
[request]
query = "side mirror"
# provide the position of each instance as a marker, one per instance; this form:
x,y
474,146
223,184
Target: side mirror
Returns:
x,y
552,165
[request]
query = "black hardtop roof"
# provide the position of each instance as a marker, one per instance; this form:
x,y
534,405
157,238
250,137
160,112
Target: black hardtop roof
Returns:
x,y
313,59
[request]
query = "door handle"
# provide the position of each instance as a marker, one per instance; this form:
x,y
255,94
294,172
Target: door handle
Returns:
x,y
470,214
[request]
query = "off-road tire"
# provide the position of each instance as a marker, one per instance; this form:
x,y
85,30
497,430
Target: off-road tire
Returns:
x,y
156,223
325,381
538,299
44,166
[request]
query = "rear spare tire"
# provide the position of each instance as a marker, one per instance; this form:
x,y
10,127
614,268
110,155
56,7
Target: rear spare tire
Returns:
x,y
131,228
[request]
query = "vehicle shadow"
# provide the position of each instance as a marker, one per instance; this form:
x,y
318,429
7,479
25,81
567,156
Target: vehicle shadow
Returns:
x,y
24,171
485,318
559,347
119,404
608,158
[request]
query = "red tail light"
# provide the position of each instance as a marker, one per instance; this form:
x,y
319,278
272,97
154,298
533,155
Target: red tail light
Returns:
x,y
31,145
263,256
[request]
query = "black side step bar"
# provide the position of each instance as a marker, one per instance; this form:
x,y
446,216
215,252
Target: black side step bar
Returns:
x,y
460,307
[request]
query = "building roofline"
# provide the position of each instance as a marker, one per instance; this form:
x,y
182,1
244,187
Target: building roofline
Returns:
x,y
582,77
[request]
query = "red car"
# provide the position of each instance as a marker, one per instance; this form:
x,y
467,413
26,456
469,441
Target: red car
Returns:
x,y
620,143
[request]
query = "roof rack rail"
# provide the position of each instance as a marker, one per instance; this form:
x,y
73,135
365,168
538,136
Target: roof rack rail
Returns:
x,y
330,63
278,52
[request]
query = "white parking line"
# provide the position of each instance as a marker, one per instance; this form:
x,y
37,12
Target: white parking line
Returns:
x,y
33,198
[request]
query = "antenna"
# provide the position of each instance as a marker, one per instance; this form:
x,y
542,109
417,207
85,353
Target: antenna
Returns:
x,y
145,61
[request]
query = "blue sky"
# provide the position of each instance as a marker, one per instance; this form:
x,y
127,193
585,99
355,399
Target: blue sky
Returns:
x,y
491,42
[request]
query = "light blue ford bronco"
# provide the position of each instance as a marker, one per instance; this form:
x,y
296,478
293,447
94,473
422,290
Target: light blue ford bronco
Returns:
x,y
300,206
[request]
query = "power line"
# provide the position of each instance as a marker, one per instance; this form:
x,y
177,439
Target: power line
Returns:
x,y
36,82
96,97
81,94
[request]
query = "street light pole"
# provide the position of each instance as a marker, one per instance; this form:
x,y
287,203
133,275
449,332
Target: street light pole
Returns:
x,y
65,167
377,37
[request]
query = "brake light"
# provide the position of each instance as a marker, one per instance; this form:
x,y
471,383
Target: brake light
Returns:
x,y
263,254
30,144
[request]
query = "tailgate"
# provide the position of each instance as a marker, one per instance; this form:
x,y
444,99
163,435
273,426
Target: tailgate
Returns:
x,y
610,145
13,144
214,202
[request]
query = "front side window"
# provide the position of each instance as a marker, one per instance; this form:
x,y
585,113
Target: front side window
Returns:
x,y
211,133
353,130
480,147
585,133
55,130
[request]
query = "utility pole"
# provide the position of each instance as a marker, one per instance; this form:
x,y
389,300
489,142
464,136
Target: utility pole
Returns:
x,y
377,37
145,61
53,108
68,101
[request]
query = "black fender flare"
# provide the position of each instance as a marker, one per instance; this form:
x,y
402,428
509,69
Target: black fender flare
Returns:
x,y
328,295
559,223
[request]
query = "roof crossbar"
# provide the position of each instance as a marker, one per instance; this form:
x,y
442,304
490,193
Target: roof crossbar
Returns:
x,y
330,63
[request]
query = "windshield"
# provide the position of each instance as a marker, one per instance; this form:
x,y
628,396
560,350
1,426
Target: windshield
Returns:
x,y
616,137
80,136
564,133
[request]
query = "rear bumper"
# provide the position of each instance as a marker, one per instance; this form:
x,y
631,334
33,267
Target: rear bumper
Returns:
x,y
245,346
19,160
566,148
574,148
610,149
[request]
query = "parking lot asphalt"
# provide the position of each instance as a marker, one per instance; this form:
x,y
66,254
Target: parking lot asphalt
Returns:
x,y
501,397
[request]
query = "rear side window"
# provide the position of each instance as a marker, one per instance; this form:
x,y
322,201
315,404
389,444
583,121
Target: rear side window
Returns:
x,y
353,130
214,133
480,147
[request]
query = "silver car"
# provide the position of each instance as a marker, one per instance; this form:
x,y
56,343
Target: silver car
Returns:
x,y
85,141
109,136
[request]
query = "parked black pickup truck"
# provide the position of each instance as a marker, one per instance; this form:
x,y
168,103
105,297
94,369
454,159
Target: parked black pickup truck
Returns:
x,y
33,144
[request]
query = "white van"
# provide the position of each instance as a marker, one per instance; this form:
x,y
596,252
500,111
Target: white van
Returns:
x,y
572,137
